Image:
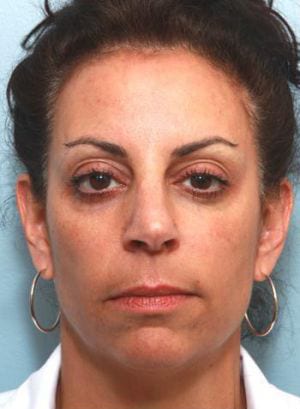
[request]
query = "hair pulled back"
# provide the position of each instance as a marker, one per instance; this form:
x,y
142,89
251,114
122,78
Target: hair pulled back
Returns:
x,y
247,39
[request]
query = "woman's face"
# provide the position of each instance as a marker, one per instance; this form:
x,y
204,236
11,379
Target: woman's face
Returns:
x,y
152,180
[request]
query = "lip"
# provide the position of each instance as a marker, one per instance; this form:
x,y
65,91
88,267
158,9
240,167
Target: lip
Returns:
x,y
152,291
159,299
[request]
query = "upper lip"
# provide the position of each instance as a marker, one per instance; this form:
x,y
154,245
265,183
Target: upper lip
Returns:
x,y
153,291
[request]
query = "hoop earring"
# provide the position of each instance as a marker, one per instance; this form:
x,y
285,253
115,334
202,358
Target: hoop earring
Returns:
x,y
275,314
32,312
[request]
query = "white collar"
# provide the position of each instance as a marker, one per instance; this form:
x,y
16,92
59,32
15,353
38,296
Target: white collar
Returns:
x,y
260,394
39,390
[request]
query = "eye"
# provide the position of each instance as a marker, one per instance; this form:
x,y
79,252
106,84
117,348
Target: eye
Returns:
x,y
94,182
204,183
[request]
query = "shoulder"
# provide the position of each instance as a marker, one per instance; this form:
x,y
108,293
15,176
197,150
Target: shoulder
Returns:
x,y
291,401
261,394
5,397
38,391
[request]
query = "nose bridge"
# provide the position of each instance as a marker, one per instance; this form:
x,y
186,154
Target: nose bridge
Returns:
x,y
151,225
152,205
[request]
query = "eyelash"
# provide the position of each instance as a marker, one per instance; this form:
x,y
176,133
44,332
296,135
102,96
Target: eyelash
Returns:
x,y
78,179
94,197
223,183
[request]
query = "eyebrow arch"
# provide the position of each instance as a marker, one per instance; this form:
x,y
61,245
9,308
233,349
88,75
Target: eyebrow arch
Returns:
x,y
203,143
179,152
112,148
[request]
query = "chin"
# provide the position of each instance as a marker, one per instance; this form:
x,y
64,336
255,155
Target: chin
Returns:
x,y
155,348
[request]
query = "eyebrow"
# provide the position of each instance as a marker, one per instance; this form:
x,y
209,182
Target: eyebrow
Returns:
x,y
179,152
204,143
106,146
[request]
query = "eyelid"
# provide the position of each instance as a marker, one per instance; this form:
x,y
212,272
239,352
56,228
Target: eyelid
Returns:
x,y
99,166
218,177
212,164
92,167
206,166
87,169
77,184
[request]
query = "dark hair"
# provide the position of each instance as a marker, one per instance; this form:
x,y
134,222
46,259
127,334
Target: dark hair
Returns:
x,y
247,39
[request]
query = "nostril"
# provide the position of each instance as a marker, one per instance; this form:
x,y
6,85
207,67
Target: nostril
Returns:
x,y
139,243
170,243
155,247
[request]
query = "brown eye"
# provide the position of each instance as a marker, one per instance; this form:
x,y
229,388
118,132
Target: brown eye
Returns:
x,y
202,181
94,182
99,181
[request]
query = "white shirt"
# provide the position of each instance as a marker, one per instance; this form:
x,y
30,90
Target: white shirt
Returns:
x,y
39,390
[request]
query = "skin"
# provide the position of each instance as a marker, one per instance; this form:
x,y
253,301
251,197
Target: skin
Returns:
x,y
151,230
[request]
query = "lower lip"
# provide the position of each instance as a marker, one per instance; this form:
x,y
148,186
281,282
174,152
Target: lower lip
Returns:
x,y
161,303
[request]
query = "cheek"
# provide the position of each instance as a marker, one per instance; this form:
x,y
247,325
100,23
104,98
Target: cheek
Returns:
x,y
84,252
83,237
223,246
227,235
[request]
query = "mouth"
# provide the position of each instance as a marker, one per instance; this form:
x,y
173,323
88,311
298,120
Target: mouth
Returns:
x,y
152,291
151,299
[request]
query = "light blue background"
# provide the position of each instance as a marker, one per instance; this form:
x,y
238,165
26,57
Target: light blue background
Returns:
x,y
22,347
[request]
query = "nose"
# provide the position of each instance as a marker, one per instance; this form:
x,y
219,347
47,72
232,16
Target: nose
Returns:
x,y
151,227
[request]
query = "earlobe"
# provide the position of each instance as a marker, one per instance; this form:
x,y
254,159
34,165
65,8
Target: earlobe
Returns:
x,y
275,222
33,218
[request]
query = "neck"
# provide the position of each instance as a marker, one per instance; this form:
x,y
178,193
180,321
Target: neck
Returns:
x,y
215,382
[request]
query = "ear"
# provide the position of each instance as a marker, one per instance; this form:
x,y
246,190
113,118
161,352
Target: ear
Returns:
x,y
276,212
33,218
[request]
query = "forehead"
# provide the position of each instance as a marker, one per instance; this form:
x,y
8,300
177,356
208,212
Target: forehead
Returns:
x,y
156,97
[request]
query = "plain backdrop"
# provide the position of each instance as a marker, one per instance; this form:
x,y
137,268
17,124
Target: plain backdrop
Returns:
x,y
22,348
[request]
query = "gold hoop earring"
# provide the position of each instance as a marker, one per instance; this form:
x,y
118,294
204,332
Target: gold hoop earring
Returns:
x,y
275,314
32,312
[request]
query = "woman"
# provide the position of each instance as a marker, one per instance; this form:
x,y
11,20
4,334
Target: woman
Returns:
x,y
157,137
